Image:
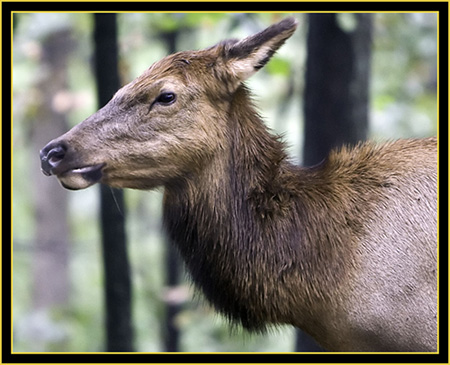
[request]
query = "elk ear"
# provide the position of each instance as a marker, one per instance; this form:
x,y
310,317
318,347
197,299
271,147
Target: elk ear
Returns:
x,y
247,56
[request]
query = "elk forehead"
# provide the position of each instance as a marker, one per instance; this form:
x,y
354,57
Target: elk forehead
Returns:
x,y
183,68
153,78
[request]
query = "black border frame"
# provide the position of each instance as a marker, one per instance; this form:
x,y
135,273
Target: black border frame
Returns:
x,y
9,7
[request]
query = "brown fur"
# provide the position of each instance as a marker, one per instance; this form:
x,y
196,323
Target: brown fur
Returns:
x,y
345,250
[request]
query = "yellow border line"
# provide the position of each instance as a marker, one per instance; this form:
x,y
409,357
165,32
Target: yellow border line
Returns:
x,y
215,12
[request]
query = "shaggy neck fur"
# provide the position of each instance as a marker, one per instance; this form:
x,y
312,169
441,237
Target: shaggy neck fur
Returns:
x,y
241,228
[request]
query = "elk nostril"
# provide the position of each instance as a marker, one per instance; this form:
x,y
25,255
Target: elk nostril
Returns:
x,y
55,155
51,156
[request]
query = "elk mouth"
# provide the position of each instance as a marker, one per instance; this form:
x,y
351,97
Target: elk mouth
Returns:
x,y
81,177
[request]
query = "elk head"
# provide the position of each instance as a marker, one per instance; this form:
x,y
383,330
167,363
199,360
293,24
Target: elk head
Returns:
x,y
166,124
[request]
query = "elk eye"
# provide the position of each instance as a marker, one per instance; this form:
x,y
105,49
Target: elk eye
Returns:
x,y
166,98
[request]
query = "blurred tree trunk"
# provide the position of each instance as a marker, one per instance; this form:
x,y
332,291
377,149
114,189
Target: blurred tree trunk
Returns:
x,y
116,265
50,261
337,84
336,100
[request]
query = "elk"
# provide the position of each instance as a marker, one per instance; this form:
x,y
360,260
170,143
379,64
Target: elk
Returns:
x,y
345,250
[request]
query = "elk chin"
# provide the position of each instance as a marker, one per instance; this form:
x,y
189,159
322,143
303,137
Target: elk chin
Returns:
x,y
81,178
140,177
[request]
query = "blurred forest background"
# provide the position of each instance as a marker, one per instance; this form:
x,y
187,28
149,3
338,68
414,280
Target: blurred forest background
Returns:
x,y
58,295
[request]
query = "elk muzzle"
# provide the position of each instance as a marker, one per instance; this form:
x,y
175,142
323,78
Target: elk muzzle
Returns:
x,y
58,159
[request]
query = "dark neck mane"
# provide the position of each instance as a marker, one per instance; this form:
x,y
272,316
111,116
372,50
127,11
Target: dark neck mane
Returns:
x,y
239,229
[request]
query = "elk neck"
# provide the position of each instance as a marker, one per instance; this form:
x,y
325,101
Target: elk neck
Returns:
x,y
241,226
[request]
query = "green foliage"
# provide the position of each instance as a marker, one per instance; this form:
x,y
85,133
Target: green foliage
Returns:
x,y
404,89
279,66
